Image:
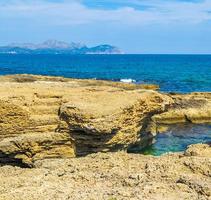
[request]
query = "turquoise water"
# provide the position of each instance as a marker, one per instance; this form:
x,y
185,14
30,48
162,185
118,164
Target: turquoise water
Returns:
x,y
174,73
178,138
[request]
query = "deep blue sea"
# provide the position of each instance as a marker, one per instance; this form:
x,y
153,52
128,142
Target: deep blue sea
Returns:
x,y
174,73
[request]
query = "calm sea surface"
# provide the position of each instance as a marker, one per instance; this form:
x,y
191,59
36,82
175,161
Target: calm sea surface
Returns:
x,y
175,73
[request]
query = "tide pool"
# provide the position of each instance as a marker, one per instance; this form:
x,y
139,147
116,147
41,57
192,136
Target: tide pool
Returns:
x,y
177,138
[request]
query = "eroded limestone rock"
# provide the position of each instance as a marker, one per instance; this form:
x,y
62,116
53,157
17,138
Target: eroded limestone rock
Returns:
x,y
112,120
30,128
34,146
96,116
203,150
54,116
190,108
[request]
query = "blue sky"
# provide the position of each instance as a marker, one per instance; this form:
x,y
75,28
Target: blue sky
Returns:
x,y
136,26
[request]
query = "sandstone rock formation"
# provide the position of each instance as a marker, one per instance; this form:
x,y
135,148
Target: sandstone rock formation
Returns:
x,y
110,120
53,117
30,127
189,108
46,121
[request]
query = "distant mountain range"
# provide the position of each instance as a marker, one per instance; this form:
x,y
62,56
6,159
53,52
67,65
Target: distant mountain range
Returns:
x,y
58,47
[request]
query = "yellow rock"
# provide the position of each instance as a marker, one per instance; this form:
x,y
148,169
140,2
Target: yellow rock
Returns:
x,y
44,117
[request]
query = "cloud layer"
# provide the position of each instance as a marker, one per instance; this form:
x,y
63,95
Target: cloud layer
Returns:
x,y
133,12
136,26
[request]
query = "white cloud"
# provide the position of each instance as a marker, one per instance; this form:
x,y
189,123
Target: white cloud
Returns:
x,y
74,12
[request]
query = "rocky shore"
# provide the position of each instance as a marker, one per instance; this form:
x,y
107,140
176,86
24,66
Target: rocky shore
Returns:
x,y
45,122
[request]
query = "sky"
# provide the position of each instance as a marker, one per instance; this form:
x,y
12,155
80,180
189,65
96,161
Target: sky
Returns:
x,y
135,26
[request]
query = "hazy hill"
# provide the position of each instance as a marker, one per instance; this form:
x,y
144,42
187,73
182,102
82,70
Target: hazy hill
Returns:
x,y
58,47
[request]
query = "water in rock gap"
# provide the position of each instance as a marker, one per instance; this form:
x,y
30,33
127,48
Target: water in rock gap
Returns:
x,y
178,137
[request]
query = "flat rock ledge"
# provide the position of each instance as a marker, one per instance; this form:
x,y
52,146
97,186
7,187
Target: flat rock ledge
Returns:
x,y
113,176
53,117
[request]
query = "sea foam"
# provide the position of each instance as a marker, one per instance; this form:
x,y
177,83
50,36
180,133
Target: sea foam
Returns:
x,y
129,80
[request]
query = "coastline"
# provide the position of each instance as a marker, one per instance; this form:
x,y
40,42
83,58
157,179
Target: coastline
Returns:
x,y
170,72
47,121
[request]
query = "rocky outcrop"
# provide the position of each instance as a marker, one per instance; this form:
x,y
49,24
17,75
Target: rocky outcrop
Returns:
x,y
28,134
45,121
110,120
113,176
190,108
28,148
200,150
131,119
30,127
27,78
52,117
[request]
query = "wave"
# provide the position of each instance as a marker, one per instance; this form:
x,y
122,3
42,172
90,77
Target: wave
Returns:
x,y
127,80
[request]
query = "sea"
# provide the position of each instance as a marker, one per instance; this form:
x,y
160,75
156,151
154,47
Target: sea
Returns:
x,y
173,73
